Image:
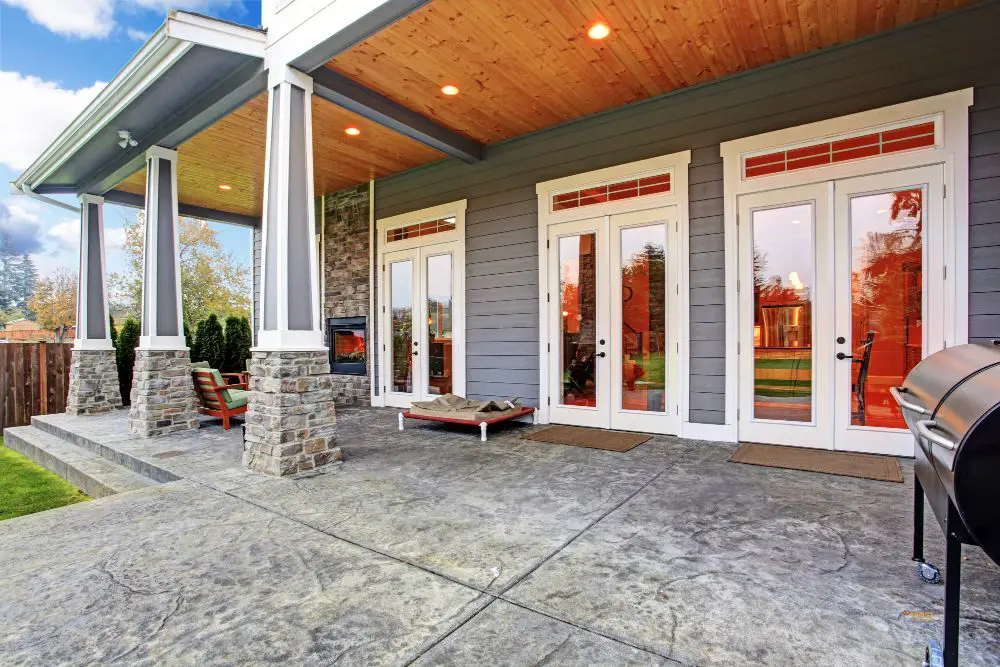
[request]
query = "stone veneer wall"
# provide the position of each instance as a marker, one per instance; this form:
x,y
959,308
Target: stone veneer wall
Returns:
x,y
163,395
93,383
290,421
345,276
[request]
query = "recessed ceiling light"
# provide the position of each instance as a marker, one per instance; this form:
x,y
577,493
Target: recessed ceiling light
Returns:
x,y
796,221
449,89
599,31
225,187
352,131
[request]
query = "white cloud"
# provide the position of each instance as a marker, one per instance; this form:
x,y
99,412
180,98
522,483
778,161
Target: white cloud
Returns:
x,y
33,114
22,213
136,34
66,234
73,18
88,19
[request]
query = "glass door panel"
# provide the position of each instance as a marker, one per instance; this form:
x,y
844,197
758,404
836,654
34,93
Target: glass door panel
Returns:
x,y
401,326
578,320
440,338
783,285
886,301
642,264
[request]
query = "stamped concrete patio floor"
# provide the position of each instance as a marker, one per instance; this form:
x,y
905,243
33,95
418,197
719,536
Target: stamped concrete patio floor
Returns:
x,y
428,547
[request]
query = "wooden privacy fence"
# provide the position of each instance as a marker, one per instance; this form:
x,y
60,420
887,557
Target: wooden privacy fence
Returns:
x,y
34,379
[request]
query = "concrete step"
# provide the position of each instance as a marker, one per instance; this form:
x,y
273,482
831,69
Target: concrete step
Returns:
x,y
88,471
50,424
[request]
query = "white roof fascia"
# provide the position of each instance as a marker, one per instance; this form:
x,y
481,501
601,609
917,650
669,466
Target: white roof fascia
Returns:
x,y
164,48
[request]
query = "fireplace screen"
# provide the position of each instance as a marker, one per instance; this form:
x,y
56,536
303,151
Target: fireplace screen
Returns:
x,y
347,345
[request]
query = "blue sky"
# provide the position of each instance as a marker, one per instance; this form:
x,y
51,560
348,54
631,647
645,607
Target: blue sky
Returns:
x,y
55,55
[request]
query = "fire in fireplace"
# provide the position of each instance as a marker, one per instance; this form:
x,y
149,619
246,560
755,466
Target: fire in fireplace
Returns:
x,y
348,345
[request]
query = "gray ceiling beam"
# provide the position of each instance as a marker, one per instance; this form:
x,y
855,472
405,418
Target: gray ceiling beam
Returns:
x,y
366,26
377,108
240,87
186,210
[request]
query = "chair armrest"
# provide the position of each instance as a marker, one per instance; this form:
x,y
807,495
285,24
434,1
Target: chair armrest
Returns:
x,y
235,385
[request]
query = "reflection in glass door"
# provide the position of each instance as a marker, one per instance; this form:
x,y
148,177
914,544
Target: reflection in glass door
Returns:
x,y
785,264
440,338
833,310
645,373
578,320
614,349
419,288
401,299
885,226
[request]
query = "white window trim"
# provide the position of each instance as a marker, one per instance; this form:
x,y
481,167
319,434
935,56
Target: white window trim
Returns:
x,y
457,235
677,165
951,112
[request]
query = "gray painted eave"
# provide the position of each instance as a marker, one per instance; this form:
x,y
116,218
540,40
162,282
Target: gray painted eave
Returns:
x,y
203,86
186,210
377,108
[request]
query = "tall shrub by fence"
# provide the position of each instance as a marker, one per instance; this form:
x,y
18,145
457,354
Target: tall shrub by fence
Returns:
x,y
34,379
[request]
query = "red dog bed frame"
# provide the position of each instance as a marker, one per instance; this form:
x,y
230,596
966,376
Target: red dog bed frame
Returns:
x,y
470,422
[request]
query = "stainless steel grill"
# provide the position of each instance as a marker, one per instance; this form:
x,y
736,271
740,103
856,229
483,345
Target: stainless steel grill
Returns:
x,y
951,403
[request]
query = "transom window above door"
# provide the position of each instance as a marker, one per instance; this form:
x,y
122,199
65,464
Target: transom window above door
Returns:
x,y
642,186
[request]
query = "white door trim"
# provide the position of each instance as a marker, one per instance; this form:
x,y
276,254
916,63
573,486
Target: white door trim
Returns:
x,y
677,165
951,149
456,240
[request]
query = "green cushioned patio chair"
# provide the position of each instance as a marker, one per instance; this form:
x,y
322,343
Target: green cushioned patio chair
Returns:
x,y
219,399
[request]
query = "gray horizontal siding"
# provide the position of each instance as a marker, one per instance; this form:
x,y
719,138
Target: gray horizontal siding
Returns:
x,y
984,215
880,71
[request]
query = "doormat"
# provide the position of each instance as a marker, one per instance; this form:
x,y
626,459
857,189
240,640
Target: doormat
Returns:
x,y
865,466
594,438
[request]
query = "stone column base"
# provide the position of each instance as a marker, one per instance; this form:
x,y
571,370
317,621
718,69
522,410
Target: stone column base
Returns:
x,y
291,422
93,383
163,396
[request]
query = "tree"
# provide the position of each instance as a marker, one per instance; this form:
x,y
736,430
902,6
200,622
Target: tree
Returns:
x,y
112,332
54,302
128,340
238,342
210,342
212,280
17,276
189,340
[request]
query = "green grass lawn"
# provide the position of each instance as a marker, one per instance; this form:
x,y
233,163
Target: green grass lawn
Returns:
x,y
26,488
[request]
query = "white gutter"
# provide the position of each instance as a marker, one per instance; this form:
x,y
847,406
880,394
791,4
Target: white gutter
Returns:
x,y
175,37
26,191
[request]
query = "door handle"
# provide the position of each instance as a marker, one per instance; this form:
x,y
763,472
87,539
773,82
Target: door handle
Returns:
x,y
842,356
602,354
414,353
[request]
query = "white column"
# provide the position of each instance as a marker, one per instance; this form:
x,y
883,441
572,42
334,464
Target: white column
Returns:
x,y
162,314
289,288
92,298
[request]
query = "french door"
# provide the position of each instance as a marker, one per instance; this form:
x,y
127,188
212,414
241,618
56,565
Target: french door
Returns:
x,y
836,307
613,321
419,290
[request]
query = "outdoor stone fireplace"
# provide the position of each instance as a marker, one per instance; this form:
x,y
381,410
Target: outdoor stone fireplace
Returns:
x,y
346,293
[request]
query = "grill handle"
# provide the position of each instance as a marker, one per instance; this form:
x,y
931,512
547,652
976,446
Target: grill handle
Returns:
x,y
905,404
924,429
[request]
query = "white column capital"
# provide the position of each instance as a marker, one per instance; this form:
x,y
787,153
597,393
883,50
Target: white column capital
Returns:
x,y
279,74
87,198
162,153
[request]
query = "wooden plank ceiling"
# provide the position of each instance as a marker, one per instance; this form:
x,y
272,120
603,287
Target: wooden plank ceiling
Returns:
x,y
231,152
523,65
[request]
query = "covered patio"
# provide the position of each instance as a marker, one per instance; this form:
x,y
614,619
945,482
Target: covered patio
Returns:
x,y
433,548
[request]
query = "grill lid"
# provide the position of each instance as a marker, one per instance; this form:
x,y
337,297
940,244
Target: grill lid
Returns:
x,y
931,380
